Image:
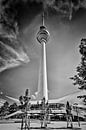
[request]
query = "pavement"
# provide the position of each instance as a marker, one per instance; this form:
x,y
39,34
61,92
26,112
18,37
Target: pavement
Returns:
x,y
36,125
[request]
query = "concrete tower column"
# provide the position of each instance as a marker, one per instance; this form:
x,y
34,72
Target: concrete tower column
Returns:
x,y
45,87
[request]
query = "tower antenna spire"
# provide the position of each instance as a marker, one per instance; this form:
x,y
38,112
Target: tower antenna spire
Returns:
x,y
43,18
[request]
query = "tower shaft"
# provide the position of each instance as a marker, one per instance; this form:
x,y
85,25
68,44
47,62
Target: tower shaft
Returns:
x,y
42,80
44,72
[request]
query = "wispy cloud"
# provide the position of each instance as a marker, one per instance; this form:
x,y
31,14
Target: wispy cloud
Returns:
x,y
12,53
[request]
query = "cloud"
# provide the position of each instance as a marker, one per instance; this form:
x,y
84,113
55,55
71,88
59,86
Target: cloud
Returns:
x,y
10,10
12,53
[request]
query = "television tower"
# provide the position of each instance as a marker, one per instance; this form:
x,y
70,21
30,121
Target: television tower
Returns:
x,y
42,38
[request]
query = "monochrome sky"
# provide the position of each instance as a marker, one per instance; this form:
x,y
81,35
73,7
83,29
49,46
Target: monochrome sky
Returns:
x,y
62,53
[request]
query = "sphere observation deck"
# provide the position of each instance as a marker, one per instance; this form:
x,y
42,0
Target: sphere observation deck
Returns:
x,y
43,35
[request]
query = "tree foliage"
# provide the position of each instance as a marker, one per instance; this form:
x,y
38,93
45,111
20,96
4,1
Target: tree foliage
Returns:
x,y
80,77
4,110
24,100
13,108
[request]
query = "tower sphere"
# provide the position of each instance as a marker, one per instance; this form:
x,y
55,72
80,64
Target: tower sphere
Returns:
x,y
43,35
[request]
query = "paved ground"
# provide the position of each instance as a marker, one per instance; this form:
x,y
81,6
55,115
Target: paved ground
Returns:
x,y
53,125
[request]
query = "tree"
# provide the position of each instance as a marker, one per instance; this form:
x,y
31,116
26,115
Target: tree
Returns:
x,y
24,100
80,77
13,108
4,110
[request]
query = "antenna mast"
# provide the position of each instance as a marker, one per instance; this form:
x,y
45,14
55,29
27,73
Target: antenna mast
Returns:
x,y
43,18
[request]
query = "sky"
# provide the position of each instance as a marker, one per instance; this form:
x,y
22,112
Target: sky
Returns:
x,y
62,53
